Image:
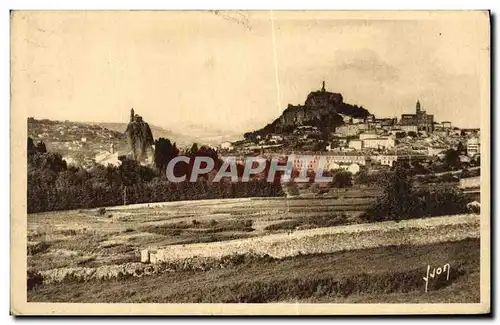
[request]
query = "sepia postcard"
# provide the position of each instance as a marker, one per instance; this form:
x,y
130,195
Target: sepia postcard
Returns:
x,y
250,162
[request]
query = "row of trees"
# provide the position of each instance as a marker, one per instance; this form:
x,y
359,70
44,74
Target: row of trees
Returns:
x,y
53,185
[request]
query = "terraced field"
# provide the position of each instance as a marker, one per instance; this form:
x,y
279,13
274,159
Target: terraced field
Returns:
x,y
91,256
84,238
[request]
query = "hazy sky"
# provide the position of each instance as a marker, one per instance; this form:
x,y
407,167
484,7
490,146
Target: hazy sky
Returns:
x,y
228,71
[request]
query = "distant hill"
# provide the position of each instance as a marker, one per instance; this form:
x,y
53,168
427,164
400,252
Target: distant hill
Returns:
x,y
77,142
207,135
81,142
158,132
321,109
183,135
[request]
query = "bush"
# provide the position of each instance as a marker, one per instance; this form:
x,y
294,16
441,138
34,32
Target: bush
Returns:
x,y
67,232
292,189
230,225
164,230
342,179
412,134
441,201
284,225
34,279
314,188
401,201
363,178
37,247
476,209
465,173
309,222
448,178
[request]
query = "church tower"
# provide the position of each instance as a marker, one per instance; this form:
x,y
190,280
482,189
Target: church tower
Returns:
x,y
132,115
323,88
418,106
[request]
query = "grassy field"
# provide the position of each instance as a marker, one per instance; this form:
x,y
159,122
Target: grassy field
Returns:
x,y
84,238
88,239
391,274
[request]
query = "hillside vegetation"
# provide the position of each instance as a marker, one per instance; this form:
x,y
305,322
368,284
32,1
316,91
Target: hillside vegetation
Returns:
x,y
77,142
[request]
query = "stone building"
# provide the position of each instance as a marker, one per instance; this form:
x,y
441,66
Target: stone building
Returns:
x,y
408,128
379,142
332,161
356,144
423,121
473,146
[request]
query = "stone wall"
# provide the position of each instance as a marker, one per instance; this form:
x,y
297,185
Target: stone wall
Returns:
x,y
470,182
203,257
329,240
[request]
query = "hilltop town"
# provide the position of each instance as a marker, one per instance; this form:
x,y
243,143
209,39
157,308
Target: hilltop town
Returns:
x,y
349,136
200,158
352,138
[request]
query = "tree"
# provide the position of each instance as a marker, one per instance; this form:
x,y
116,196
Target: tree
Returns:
x,y
452,159
441,201
412,134
128,171
31,147
363,178
319,146
66,179
397,201
476,160
465,173
40,147
419,169
54,186
47,160
342,179
193,150
164,152
400,135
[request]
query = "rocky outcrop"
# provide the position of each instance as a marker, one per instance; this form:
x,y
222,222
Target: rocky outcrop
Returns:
x,y
139,139
321,109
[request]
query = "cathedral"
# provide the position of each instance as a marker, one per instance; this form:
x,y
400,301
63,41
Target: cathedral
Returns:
x,y
423,121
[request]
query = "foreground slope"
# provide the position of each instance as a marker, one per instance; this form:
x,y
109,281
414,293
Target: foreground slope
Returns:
x,y
388,274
